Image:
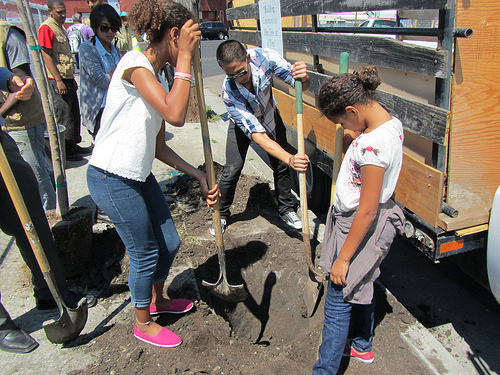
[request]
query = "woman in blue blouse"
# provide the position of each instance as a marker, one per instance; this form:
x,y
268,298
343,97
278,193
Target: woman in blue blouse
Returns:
x,y
98,59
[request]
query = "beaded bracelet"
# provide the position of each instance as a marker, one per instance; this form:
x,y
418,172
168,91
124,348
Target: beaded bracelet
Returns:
x,y
185,75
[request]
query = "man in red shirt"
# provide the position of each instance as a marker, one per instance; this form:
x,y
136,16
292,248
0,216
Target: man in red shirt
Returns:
x,y
58,60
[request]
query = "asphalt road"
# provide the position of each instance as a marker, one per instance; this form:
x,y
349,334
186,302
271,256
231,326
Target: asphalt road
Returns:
x,y
209,65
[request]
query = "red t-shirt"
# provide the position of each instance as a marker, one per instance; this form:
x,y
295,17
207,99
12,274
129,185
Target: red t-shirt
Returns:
x,y
46,36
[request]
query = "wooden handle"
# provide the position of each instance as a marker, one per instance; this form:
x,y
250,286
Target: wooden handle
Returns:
x,y
62,198
301,151
207,149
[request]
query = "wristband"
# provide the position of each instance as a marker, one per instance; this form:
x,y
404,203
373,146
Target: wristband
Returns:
x,y
183,78
185,75
290,161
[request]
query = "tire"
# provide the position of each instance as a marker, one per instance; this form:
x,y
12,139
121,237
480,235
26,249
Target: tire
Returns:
x,y
319,186
221,35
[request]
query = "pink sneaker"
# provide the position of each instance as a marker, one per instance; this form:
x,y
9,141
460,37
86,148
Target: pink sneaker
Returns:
x,y
178,306
366,357
165,338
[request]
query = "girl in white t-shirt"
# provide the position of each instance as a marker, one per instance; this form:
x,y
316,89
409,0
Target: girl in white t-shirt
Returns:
x,y
131,136
362,220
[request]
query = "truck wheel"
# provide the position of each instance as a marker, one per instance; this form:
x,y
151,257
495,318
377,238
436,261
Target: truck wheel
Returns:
x,y
319,186
221,35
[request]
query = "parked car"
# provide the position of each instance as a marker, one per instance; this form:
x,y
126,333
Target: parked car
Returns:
x,y
378,23
213,30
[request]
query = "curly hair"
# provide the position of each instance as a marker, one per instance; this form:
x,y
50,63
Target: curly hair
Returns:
x,y
154,19
348,89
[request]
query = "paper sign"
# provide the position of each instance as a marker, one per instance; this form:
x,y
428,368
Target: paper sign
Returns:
x,y
270,25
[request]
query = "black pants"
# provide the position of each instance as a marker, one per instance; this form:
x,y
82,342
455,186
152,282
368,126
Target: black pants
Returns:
x,y
11,225
237,144
67,112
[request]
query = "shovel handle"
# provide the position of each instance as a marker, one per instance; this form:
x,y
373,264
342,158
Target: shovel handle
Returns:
x,y
207,148
303,183
301,151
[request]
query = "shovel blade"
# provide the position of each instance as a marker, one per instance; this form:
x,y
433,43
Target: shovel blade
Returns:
x,y
312,295
69,325
226,292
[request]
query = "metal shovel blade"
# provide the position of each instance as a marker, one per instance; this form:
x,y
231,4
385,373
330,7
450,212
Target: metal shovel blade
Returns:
x,y
69,325
226,292
221,289
312,293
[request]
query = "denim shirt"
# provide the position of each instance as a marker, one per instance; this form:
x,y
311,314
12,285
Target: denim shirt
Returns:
x,y
109,61
94,80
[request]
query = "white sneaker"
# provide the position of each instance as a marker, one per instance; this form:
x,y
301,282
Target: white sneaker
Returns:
x,y
292,220
222,224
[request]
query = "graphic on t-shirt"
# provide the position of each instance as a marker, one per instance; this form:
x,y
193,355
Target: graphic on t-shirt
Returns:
x,y
370,149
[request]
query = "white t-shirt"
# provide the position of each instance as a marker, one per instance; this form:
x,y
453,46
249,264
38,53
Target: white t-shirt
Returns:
x,y
126,142
382,147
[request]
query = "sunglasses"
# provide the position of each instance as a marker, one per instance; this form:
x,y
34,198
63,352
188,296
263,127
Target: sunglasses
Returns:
x,y
105,29
237,75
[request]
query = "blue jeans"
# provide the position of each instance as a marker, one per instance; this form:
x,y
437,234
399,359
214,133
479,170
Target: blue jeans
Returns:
x,y
31,145
336,329
142,219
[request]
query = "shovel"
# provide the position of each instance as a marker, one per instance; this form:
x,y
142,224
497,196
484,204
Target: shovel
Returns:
x,y
314,285
71,321
223,290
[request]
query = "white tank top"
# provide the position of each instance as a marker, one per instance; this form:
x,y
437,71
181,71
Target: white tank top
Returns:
x,y
126,142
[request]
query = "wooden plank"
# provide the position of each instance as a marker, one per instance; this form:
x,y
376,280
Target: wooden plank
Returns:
x,y
466,218
246,37
419,189
370,50
473,161
308,7
317,128
422,119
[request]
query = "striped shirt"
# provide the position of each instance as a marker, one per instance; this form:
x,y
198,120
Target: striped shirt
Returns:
x,y
255,113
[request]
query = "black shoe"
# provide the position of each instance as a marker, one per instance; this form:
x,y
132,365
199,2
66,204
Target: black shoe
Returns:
x,y
15,340
71,300
73,156
83,150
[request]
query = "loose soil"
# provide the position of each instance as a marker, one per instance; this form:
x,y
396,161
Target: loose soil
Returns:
x,y
265,334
